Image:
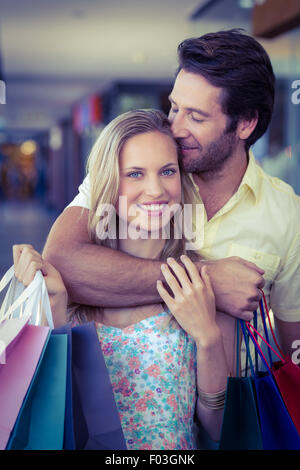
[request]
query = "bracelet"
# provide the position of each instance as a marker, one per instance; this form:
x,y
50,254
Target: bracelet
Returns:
x,y
212,401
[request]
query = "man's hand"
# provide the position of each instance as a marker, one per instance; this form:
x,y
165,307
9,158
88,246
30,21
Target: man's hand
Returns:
x,y
236,283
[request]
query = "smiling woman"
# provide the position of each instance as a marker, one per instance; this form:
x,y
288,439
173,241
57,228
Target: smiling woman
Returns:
x,y
159,356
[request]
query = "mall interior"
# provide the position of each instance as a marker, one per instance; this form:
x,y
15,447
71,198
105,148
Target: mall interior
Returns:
x,y
67,67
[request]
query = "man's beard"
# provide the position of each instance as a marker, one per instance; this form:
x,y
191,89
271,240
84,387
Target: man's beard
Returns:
x,y
211,158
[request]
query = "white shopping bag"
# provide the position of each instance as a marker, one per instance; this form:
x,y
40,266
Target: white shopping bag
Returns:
x,y
21,306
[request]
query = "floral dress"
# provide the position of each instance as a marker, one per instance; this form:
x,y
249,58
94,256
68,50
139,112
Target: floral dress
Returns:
x,y
152,368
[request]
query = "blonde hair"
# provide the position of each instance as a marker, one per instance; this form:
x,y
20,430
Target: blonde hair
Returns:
x,y
103,169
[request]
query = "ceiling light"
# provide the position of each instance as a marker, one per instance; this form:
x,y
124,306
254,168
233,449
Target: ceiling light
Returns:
x,y
28,147
250,3
138,57
246,3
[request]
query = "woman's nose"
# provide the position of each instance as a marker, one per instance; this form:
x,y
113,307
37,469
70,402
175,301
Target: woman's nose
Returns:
x,y
154,188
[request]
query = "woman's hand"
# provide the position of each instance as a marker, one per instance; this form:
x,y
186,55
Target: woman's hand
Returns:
x,y
193,304
27,261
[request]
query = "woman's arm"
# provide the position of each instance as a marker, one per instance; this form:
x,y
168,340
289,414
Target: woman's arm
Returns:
x,y
95,275
27,262
193,306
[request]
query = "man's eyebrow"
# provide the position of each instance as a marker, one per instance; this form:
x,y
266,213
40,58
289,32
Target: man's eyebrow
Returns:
x,y
195,110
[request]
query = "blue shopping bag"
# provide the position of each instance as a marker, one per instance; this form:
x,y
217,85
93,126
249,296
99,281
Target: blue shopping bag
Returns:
x,y
96,419
40,423
277,428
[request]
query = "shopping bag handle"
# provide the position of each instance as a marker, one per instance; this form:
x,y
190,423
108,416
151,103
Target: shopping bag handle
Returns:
x,y
7,277
31,293
246,340
247,325
263,305
248,358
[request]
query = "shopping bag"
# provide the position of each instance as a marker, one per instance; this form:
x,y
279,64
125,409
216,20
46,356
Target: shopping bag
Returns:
x,y
240,426
16,375
285,372
277,428
9,333
40,423
69,440
97,423
22,348
31,301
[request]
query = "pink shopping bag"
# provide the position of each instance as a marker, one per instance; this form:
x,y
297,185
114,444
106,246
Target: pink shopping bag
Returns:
x,y
21,362
22,344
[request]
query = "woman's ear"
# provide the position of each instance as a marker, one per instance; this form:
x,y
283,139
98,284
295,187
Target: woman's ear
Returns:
x,y
246,126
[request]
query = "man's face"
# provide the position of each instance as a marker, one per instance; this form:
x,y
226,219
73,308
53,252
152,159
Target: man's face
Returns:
x,y
199,124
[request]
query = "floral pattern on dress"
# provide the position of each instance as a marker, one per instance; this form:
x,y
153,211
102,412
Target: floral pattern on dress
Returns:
x,y
152,370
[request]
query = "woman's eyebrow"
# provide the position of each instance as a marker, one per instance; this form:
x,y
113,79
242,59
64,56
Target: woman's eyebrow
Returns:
x,y
140,168
133,168
169,164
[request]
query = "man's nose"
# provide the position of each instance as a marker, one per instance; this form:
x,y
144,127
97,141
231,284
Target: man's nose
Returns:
x,y
178,126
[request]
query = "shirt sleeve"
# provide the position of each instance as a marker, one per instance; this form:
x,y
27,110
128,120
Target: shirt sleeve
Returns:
x,y
82,199
285,291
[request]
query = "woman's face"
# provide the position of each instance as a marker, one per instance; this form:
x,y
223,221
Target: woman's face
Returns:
x,y
149,181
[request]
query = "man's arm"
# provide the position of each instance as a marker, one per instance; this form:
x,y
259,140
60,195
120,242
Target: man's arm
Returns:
x,y
96,275
285,299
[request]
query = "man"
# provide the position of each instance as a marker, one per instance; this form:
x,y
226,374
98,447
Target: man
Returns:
x,y
221,103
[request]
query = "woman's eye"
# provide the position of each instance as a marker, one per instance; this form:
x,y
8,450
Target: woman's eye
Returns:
x,y
169,172
134,174
173,110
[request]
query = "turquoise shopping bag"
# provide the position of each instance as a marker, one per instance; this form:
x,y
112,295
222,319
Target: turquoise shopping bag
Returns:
x,y
240,426
69,438
40,423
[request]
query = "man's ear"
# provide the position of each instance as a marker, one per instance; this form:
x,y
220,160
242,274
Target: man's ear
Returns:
x,y
246,126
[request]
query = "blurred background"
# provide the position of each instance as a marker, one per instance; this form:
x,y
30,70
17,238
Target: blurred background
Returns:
x,y
67,67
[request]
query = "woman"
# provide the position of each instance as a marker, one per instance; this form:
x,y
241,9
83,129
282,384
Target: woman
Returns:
x,y
166,362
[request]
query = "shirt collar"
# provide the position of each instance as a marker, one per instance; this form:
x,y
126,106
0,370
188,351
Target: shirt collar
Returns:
x,y
250,177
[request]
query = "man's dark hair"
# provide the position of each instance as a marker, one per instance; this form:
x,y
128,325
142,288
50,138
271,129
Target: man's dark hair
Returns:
x,y
236,62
